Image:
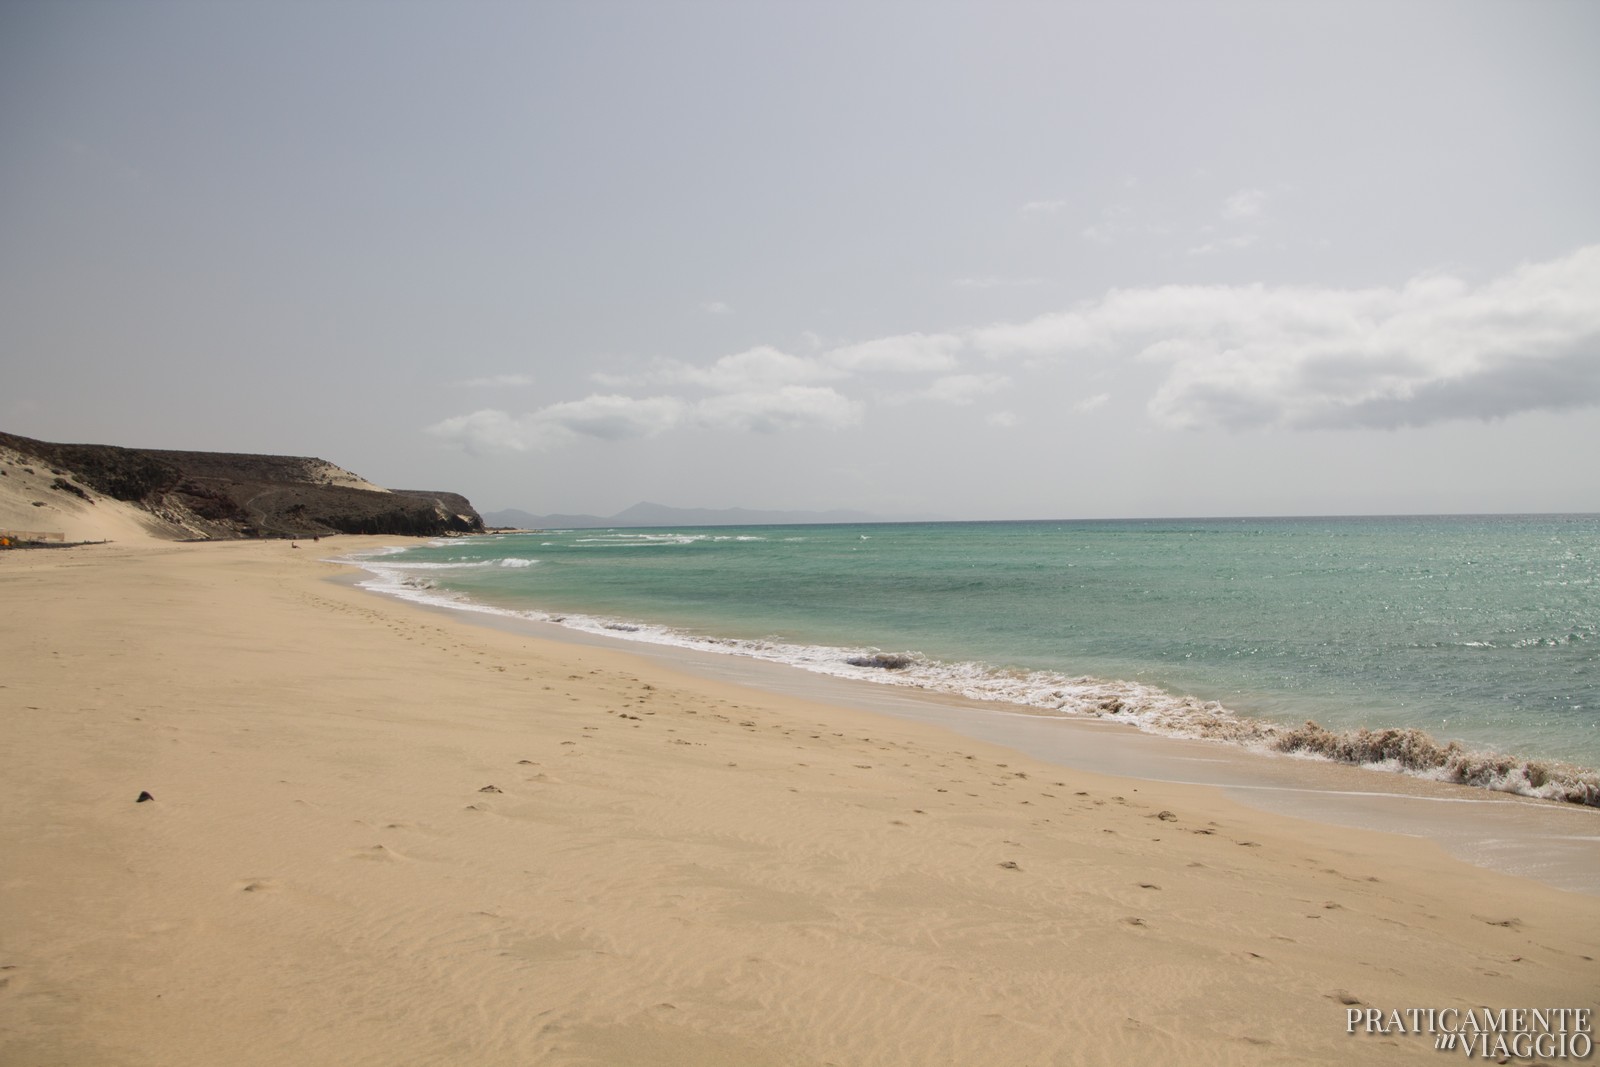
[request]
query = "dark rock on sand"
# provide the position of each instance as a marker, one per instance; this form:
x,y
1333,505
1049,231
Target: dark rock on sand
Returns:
x,y
883,661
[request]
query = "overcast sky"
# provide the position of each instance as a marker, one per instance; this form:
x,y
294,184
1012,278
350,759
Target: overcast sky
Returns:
x,y
981,260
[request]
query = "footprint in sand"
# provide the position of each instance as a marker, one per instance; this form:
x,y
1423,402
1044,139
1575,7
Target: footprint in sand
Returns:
x,y
258,885
377,853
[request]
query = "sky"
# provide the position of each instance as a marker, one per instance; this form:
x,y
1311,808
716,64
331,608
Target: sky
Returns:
x,y
986,260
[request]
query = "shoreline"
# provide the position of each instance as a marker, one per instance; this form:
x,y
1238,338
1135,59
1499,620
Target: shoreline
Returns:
x,y
381,834
1555,841
1411,749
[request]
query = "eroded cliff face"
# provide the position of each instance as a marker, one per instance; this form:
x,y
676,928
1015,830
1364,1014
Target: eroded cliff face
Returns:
x,y
222,495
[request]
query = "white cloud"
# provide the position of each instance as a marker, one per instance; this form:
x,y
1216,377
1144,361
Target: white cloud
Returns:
x,y
1044,207
764,368
619,418
716,307
759,368
608,418
1003,419
1433,349
790,407
903,353
615,418
1092,403
762,389
756,368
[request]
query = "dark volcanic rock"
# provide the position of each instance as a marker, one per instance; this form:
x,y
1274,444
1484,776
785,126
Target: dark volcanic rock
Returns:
x,y
127,474
883,661
230,495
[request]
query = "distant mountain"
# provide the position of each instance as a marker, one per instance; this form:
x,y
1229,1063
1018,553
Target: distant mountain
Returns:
x,y
647,514
224,495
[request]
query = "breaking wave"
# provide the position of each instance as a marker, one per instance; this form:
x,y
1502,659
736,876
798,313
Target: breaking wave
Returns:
x,y
645,539
463,565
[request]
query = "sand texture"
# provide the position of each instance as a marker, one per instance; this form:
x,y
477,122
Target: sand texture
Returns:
x,y
382,835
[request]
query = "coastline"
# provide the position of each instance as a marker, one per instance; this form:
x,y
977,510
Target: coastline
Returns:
x,y
1284,710
1498,821
684,870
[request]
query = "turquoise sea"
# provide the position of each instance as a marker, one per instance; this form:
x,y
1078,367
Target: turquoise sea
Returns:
x,y
1482,630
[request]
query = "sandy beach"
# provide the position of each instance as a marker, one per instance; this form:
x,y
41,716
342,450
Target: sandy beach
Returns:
x,y
380,834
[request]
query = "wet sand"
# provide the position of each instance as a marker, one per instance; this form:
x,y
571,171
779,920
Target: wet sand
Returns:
x,y
1552,842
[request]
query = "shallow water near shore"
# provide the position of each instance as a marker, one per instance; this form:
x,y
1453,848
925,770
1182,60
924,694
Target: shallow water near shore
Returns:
x,y
1474,642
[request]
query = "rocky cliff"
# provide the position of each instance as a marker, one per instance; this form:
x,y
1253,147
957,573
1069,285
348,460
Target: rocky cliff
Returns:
x,y
226,495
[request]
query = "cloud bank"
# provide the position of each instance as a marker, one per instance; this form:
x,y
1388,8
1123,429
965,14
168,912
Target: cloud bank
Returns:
x,y
620,418
762,390
1240,357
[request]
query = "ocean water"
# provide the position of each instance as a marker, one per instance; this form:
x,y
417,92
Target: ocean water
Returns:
x,y
1461,648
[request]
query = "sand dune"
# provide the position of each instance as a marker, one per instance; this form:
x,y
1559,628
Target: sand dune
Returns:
x,y
40,504
381,835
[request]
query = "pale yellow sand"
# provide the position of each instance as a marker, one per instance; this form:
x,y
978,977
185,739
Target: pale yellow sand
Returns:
x,y
34,507
666,870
